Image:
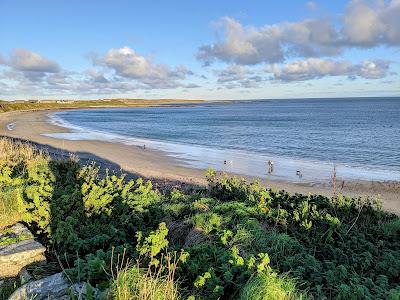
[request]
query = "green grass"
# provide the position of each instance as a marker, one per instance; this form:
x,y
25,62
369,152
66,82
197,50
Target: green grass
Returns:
x,y
10,210
6,106
270,286
8,287
9,238
135,284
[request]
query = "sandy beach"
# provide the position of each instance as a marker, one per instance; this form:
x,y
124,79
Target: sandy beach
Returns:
x,y
157,165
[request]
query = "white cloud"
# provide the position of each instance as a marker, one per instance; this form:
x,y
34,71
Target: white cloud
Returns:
x,y
231,73
363,25
118,71
96,76
271,44
244,45
129,64
366,25
235,76
27,61
309,38
311,5
372,69
314,68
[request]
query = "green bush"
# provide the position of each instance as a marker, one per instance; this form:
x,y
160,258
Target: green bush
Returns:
x,y
242,240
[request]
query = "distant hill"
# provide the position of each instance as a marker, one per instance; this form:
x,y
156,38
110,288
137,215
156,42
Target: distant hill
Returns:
x,y
16,105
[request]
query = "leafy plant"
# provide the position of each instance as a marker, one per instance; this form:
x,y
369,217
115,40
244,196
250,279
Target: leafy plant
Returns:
x,y
236,239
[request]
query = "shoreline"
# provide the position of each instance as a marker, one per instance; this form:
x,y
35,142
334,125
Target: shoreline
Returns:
x,y
158,165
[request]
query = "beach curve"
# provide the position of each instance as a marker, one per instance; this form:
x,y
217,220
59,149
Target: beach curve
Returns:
x,y
157,165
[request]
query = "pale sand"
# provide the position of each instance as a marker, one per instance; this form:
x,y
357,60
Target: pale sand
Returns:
x,y
157,165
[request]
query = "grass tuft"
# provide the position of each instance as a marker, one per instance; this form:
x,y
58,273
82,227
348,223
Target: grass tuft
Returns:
x,y
270,286
134,283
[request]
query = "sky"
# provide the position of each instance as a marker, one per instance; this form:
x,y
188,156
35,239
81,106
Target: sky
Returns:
x,y
199,49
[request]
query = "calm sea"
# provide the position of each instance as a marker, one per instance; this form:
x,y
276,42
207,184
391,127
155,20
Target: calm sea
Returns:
x,y
361,137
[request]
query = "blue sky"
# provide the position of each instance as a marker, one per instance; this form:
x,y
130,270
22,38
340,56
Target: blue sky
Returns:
x,y
199,49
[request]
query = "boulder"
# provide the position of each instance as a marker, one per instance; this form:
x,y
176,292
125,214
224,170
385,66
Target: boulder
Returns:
x,y
52,287
20,230
81,290
56,287
14,257
24,276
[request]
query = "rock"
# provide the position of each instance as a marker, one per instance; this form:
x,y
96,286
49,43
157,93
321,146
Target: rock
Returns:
x,y
19,230
56,287
81,289
52,287
16,256
24,276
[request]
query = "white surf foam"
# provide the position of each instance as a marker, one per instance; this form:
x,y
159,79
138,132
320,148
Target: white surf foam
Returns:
x,y
240,162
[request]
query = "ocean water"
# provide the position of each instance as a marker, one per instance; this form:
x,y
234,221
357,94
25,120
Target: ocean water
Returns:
x,y
361,137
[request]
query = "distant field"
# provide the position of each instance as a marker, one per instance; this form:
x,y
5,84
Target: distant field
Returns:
x,y
6,106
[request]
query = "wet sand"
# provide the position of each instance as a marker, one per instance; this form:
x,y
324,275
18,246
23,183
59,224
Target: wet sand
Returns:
x,y
159,166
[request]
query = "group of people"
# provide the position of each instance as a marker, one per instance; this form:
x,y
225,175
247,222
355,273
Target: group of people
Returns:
x,y
270,164
271,169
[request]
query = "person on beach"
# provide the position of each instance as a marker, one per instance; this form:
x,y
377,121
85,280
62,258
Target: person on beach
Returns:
x,y
270,166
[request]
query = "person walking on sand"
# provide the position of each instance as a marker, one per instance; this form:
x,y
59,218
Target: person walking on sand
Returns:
x,y
270,166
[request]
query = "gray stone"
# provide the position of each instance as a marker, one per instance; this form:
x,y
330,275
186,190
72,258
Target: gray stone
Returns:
x,y
55,287
80,290
19,229
52,287
24,276
16,256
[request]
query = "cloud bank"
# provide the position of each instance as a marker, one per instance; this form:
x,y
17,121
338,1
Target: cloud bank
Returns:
x,y
126,63
119,70
362,26
315,68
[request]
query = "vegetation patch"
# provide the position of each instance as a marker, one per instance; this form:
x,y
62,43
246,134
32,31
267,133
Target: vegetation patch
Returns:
x,y
8,238
6,106
7,287
231,240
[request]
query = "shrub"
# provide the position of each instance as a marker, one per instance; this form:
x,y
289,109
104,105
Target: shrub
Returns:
x,y
241,238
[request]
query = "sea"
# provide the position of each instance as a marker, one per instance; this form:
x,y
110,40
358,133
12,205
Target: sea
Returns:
x,y
306,139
